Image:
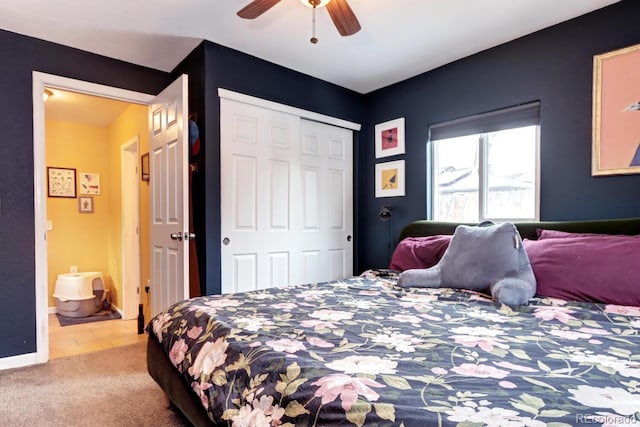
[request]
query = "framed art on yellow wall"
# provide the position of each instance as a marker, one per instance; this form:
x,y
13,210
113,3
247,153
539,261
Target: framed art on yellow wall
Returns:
x,y
89,183
61,182
85,204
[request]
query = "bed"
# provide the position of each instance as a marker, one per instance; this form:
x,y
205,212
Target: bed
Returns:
x,y
362,351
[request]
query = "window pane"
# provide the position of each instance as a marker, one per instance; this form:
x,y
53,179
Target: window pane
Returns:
x,y
456,192
511,174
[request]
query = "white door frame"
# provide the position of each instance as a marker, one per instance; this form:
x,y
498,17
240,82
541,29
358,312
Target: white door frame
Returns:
x,y
283,108
130,192
40,80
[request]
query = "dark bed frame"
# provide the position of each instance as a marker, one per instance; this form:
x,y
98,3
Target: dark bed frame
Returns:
x,y
528,230
183,397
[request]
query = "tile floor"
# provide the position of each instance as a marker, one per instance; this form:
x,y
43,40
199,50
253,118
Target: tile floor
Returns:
x,y
85,338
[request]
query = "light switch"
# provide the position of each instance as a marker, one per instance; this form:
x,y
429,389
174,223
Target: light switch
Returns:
x,y
49,225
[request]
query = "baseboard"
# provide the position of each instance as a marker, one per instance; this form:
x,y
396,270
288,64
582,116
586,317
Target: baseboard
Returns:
x,y
18,361
116,308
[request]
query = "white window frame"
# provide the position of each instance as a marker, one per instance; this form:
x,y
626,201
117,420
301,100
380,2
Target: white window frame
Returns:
x,y
432,198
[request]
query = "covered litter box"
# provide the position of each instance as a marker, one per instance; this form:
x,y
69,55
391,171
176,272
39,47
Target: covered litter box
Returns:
x,y
80,294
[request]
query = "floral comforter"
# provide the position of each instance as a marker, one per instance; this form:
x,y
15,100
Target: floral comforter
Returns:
x,y
363,351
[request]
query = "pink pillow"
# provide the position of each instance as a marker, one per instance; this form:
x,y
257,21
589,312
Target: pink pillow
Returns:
x,y
595,268
419,252
555,234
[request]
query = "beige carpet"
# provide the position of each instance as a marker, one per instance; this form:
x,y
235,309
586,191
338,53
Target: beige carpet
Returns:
x,y
104,388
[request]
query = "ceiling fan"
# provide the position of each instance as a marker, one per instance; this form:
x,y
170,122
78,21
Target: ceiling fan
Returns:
x,y
339,10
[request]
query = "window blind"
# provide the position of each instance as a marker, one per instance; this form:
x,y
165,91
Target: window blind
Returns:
x,y
508,118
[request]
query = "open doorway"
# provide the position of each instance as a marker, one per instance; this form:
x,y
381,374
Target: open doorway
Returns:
x,y
99,230
112,263
97,139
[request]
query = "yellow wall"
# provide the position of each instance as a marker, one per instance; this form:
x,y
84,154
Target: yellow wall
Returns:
x,y
77,239
93,242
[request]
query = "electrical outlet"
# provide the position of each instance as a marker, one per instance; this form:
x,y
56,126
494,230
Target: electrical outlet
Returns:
x,y
73,269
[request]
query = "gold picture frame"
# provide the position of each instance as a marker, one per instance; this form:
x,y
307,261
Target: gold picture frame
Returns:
x,y
616,112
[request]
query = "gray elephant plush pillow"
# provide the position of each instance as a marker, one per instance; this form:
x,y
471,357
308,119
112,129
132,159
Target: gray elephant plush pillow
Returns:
x,y
488,258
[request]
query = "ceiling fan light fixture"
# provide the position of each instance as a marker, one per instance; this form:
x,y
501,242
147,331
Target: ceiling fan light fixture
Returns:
x,y
339,11
315,3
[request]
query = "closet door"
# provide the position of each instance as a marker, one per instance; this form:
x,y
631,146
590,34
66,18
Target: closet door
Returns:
x,y
286,199
326,202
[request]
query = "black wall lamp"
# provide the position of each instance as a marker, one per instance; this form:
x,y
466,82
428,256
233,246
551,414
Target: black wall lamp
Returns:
x,y
385,216
385,213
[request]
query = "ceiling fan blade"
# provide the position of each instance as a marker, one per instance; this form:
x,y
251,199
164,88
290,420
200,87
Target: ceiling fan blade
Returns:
x,y
343,17
256,8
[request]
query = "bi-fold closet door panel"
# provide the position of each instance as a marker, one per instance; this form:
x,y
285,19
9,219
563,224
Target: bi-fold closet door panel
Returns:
x,y
286,199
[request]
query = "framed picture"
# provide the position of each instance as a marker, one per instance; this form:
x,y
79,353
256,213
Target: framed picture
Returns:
x,y
144,167
616,112
390,138
390,179
61,182
89,183
85,204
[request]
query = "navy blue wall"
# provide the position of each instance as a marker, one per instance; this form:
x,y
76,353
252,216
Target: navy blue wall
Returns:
x,y
19,57
229,69
554,66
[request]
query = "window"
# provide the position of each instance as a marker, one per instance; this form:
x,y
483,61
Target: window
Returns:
x,y
486,167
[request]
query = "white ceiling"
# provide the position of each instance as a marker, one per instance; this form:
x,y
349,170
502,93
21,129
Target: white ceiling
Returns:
x,y
399,38
85,109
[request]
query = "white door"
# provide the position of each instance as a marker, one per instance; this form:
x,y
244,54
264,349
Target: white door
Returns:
x,y
169,192
286,199
327,201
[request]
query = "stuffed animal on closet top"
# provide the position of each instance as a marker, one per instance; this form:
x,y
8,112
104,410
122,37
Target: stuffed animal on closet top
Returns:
x,y
488,258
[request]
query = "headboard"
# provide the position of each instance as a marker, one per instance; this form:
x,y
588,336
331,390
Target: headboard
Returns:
x,y
630,226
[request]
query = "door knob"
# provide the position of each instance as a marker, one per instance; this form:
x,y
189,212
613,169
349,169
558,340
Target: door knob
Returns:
x,y
176,236
189,236
226,241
